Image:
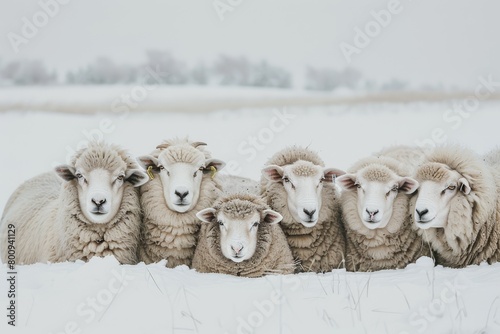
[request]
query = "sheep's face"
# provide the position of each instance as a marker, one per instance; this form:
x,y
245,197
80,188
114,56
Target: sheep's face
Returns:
x,y
435,197
238,235
303,183
100,191
376,193
181,181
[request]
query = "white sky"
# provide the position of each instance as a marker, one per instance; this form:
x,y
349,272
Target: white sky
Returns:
x,y
450,41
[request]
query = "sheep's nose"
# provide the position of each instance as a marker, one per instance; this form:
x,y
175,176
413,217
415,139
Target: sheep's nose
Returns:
x,y
98,201
422,213
372,213
237,249
182,193
309,213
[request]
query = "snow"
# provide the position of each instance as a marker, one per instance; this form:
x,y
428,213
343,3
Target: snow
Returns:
x,y
103,297
83,297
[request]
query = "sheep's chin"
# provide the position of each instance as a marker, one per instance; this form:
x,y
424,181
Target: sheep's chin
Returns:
x,y
237,260
98,218
181,208
432,223
309,224
374,226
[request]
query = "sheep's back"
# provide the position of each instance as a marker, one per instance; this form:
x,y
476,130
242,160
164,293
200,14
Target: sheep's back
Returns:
x,y
31,209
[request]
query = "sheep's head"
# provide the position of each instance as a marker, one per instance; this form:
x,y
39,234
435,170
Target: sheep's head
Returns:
x,y
303,182
239,220
181,168
377,187
440,187
101,172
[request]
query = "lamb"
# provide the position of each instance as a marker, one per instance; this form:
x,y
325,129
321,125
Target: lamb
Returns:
x,y
296,184
241,237
457,206
183,182
375,210
87,208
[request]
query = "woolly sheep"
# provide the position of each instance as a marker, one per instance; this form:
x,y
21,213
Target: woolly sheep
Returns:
x,y
375,210
457,206
232,184
493,159
410,156
95,211
241,237
183,183
296,184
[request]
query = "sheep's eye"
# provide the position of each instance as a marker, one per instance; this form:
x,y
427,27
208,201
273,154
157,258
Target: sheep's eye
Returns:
x,y
451,187
358,185
195,173
220,223
395,188
79,175
286,179
120,177
161,167
201,168
255,224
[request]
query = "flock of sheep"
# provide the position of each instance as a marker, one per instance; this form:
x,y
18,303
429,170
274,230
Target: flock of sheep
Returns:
x,y
393,207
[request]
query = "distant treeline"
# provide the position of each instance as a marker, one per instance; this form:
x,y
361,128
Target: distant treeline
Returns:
x,y
168,70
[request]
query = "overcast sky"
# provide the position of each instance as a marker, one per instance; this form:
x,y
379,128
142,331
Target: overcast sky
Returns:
x,y
449,41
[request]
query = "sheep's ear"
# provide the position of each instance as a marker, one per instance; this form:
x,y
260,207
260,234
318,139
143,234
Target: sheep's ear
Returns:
x,y
273,173
408,185
66,172
215,163
147,161
206,215
136,177
347,181
464,186
272,217
330,174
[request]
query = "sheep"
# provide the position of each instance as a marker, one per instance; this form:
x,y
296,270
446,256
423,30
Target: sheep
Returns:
x,y
296,184
240,237
493,158
457,206
87,208
232,184
410,156
183,182
375,211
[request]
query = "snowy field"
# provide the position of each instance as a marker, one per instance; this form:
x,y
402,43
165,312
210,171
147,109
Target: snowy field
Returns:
x,y
103,297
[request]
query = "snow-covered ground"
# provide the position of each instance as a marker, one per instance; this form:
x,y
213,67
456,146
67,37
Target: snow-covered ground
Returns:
x,y
68,297
104,297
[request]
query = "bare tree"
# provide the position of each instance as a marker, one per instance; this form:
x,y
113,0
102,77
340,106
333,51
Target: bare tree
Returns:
x,y
327,79
27,72
174,71
103,71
